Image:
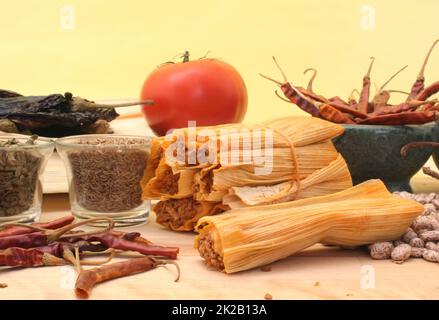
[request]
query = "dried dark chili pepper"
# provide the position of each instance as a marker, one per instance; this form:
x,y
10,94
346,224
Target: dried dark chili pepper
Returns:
x,y
418,86
399,119
363,102
56,113
293,94
8,94
55,224
87,279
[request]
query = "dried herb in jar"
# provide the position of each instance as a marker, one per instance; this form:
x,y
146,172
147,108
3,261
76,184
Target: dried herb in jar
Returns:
x,y
107,178
19,169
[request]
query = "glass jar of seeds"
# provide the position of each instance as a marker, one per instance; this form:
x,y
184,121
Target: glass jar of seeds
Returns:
x,y
22,162
104,173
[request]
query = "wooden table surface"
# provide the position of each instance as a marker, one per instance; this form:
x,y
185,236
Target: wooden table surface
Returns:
x,y
316,273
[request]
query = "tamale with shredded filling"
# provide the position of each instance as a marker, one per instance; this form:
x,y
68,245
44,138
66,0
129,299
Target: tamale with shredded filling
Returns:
x,y
246,238
291,158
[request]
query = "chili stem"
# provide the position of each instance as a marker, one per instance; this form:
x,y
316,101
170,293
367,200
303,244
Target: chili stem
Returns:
x,y
311,81
280,69
424,64
392,77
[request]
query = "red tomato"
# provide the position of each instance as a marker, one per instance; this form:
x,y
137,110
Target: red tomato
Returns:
x,y
207,91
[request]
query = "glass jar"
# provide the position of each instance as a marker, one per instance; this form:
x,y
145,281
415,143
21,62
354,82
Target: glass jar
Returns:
x,y
22,162
104,174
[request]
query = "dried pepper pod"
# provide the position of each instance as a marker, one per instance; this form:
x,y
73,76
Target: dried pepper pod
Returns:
x,y
17,230
415,110
56,114
87,279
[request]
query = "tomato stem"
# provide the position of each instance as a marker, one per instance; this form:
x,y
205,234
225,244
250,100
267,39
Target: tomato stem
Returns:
x,y
186,56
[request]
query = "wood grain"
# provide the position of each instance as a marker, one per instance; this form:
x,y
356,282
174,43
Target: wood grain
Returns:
x,y
317,273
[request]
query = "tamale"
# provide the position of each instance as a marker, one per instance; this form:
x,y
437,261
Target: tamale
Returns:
x,y
246,238
244,165
168,184
335,174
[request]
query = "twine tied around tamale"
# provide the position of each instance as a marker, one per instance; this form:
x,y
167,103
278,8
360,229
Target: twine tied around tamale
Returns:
x,y
296,175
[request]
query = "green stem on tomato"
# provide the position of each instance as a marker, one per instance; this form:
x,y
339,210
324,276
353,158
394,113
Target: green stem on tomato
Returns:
x,y
186,56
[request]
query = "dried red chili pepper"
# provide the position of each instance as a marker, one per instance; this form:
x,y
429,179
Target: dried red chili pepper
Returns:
x,y
87,279
399,119
110,240
428,92
339,101
293,94
332,114
312,95
400,108
55,224
418,86
33,257
44,255
42,237
44,247
347,109
29,240
363,102
117,241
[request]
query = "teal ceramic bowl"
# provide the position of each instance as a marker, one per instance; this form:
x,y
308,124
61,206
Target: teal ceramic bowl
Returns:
x,y
373,152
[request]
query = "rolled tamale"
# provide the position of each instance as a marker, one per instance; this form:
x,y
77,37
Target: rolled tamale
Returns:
x,y
246,238
241,165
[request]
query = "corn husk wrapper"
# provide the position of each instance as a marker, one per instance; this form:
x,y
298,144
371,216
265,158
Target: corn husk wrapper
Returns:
x,y
304,163
246,238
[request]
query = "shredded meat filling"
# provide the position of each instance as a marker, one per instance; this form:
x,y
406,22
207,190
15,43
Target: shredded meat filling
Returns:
x,y
208,253
208,180
176,211
169,182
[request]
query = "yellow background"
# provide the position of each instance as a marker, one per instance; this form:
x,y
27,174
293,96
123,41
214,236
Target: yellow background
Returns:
x,y
115,44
